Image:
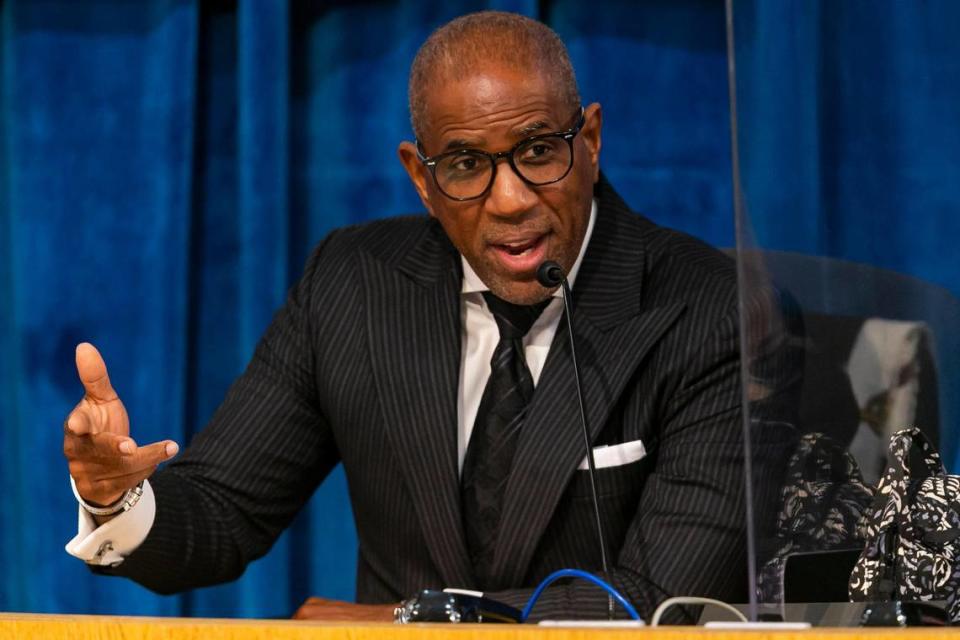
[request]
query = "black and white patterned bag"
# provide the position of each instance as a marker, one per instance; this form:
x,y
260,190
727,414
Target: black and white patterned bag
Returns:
x,y
824,501
913,535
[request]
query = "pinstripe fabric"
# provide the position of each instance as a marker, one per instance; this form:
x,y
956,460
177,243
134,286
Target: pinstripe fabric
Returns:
x,y
361,365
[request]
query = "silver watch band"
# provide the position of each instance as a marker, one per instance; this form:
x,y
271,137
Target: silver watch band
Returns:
x,y
125,503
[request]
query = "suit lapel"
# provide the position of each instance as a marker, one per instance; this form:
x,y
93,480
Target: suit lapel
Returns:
x,y
613,335
413,322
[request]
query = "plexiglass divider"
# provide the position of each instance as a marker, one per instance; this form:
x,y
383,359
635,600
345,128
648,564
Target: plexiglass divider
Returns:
x,y
837,353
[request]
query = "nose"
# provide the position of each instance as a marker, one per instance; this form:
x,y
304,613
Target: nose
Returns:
x,y
509,195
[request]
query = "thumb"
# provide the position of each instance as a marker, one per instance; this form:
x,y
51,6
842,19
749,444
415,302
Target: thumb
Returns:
x,y
93,374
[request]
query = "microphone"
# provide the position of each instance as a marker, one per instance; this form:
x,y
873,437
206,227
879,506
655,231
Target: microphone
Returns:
x,y
550,274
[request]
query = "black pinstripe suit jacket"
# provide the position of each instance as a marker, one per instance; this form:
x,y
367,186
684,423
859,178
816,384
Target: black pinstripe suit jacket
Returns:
x,y
361,366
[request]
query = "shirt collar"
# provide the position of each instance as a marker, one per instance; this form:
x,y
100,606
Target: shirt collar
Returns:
x,y
473,284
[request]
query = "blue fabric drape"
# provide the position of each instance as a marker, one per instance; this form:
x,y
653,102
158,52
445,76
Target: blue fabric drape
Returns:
x,y
94,101
850,136
165,166
850,148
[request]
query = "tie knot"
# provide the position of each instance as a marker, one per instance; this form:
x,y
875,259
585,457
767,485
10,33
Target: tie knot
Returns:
x,y
513,320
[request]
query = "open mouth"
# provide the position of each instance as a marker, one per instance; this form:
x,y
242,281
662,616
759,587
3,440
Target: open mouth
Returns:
x,y
523,255
519,248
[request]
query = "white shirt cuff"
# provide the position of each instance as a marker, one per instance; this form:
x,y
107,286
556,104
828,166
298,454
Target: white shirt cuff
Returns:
x,y
110,543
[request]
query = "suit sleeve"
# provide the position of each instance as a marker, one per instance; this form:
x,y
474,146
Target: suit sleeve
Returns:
x,y
231,493
687,536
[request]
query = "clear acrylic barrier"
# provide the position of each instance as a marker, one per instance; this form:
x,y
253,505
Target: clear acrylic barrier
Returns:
x,y
837,357
839,350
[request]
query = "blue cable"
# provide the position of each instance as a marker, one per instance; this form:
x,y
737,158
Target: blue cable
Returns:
x,y
576,573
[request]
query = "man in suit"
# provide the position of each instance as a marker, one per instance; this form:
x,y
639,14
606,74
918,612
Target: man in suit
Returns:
x,y
386,353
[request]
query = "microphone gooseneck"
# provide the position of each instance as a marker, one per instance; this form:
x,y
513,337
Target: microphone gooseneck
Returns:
x,y
550,274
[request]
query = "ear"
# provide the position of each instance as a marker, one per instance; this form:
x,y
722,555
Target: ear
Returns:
x,y
590,134
419,174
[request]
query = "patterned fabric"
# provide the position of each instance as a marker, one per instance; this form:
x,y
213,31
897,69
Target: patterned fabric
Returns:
x,y
496,430
912,549
824,502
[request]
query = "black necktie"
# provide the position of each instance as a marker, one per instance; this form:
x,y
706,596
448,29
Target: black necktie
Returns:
x,y
496,431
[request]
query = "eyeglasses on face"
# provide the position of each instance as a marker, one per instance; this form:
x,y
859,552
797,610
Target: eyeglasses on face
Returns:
x,y
467,174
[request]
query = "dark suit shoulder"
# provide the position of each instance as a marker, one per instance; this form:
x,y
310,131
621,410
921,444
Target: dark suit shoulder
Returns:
x,y
690,267
352,259
387,239
676,267
391,241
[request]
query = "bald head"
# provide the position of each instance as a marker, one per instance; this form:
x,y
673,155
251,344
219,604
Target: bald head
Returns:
x,y
478,40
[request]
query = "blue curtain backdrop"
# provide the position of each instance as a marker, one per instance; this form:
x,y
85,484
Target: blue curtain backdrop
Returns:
x,y
165,166
850,130
849,133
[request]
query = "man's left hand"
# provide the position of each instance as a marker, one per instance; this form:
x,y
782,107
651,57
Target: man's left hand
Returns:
x,y
323,609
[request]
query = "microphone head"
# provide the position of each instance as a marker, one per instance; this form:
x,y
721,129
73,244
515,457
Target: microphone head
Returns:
x,y
549,274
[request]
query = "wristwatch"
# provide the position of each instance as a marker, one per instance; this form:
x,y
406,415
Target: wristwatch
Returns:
x,y
440,606
428,606
126,502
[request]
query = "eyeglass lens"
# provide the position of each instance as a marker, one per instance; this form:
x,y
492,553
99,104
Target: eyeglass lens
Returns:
x,y
467,174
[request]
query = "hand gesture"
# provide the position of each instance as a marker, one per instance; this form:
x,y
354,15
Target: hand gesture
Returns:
x,y
104,460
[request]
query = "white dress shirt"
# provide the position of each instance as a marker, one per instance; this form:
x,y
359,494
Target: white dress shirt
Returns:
x,y
479,336
110,543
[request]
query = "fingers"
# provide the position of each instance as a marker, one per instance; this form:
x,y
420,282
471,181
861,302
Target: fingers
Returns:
x,y
93,373
100,409
102,473
82,440
78,423
85,420
157,452
116,452
104,460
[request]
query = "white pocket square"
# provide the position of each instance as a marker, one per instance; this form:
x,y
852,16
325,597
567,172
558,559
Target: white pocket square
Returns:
x,y
616,455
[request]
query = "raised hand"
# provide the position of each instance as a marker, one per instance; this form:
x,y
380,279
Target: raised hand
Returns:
x,y
104,460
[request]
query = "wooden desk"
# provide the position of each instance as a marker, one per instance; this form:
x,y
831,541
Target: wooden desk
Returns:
x,y
75,627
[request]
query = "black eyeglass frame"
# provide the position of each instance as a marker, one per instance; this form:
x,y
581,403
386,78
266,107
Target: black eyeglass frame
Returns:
x,y
567,135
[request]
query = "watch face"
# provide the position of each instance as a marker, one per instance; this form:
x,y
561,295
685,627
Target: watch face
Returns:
x,y
429,606
438,606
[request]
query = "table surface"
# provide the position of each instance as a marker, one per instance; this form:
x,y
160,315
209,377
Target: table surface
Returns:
x,y
81,627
